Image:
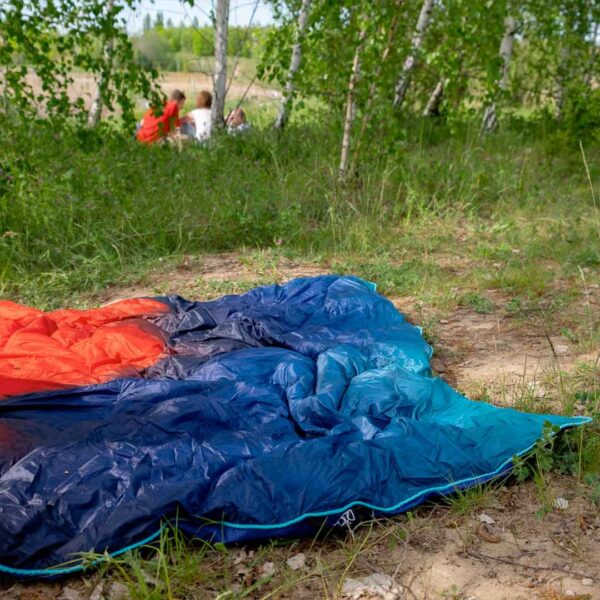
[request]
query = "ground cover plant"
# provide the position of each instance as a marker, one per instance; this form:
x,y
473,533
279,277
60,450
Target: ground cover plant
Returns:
x,y
82,209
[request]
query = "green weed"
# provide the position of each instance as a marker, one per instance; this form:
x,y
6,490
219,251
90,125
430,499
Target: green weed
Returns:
x,y
79,211
477,302
413,277
575,452
467,501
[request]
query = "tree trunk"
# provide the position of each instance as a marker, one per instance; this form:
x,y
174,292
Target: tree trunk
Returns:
x,y
367,116
589,71
5,91
220,76
351,106
490,119
403,82
561,81
95,113
288,92
4,80
435,100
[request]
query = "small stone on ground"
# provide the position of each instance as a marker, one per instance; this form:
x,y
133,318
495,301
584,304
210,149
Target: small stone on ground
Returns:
x,y
377,586
296,562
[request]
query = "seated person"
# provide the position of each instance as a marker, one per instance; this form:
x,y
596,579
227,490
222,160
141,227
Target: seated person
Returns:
x,y
200,118
153,128
236,121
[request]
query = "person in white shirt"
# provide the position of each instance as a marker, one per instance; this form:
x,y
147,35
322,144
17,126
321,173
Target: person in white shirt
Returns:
x,y
200,117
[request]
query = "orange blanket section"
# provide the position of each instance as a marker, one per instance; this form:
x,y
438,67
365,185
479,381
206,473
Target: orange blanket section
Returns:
x,y
50,350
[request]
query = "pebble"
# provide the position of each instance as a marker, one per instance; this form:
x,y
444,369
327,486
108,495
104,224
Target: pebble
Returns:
x,y
118,591
485,518
438,365
587,581
268,569
296,562
69,593
377,586
561,503
98,592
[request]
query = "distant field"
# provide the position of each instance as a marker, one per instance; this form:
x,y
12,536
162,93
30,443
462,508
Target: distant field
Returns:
x,y
84,84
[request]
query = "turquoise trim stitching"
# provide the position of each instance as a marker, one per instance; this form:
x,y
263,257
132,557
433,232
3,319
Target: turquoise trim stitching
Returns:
x,y
76,568
396,508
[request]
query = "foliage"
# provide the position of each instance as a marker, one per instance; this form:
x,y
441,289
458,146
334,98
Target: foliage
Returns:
x,y
554,67
580,117
574,452
552,453
43,43
477,302
178,48
554,71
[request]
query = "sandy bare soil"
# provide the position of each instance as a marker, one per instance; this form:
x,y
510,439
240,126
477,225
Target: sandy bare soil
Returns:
x,y
504,549
84,85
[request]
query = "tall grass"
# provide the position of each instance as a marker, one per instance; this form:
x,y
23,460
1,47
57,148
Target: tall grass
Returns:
x,y
80,209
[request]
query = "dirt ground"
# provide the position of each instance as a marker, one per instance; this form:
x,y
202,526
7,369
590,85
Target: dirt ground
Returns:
x,y
504,549
84,85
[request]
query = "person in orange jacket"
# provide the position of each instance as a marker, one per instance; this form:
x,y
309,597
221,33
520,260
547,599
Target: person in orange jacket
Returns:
x,y
153,128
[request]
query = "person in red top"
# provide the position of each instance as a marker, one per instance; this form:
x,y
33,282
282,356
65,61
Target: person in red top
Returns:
x,y
156,128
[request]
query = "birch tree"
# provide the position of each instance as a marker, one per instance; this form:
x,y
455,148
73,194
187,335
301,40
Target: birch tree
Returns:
x,y
579,35
57,39
490,118
368,114
220,75
288,92
4,80
95,113
593,54
561,80
404,79
351,105
432,108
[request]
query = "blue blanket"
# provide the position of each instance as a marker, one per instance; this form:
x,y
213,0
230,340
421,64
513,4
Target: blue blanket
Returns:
x,y
271,413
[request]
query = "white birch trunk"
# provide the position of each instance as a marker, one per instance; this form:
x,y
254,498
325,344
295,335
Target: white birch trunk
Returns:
x,y
561,80
220,76
490,118
403,82
589,72
95,113
5,90
288,92
351,106
367,115
432,109
4,80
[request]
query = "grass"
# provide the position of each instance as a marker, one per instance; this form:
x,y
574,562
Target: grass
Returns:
x,y
466,502
79,211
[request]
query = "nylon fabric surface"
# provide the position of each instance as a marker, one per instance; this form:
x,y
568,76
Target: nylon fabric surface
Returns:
x,y
43,351
265,414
